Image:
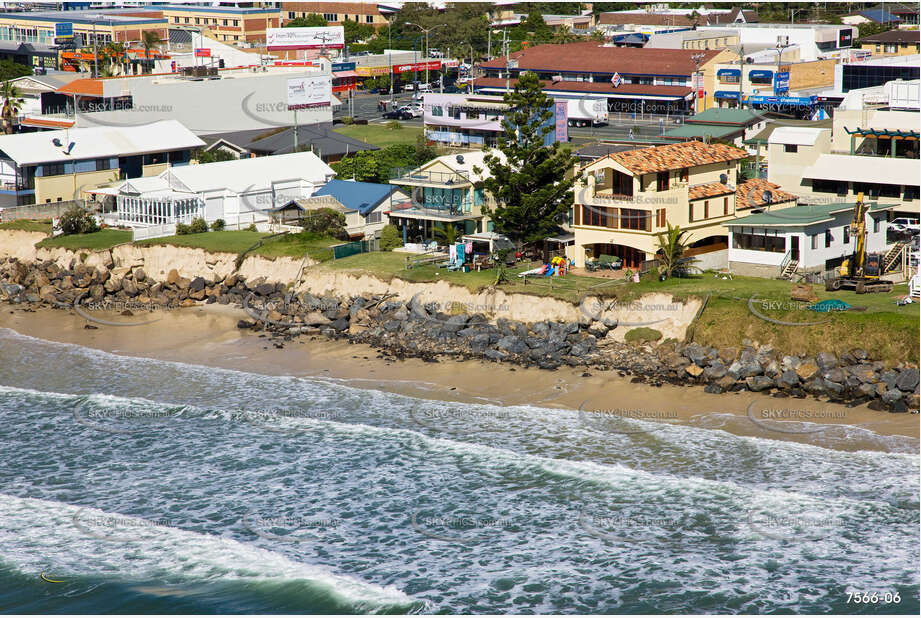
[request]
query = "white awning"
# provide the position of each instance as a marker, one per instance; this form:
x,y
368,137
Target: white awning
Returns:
x,y
882,170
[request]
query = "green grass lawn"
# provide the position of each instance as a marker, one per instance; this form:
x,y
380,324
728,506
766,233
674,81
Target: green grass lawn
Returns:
x,y
885,330
380,134
295,245
27,225
229,241
103,239
237,241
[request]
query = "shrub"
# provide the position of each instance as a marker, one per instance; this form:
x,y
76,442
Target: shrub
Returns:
x,y
182,229
394,125
390,238
347,120
218,225
642,335
251,228
325,221
198,226
76,220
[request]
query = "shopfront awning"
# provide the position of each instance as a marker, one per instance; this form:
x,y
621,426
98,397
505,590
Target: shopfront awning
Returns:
x,y
761,75
341,74
726,94
728,73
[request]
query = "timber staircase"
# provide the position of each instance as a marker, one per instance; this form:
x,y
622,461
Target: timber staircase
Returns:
x,y
788,267
893,258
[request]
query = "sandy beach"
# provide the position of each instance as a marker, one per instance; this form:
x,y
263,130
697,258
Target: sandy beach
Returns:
x,y
208,336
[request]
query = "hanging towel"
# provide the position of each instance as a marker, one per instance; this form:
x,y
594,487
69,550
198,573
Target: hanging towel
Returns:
x,y
452,252
469,247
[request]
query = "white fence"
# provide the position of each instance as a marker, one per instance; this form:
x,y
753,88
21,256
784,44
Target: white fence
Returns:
x,y
153,231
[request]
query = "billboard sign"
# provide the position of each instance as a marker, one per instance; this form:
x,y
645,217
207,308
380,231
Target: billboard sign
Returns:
x,y
330,37
64,30
562,121
845,37
343,66
431,65
307,92
781,82
202,52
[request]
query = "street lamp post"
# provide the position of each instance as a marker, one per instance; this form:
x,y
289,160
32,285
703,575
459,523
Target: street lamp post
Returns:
x,y
426,31
390,57
697,58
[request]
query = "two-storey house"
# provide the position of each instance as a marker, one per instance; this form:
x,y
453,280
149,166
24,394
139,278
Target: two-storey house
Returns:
x,y
625,199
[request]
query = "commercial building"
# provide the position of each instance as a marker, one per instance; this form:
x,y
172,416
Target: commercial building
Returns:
x,y
226,23
335,13
801,240
772,86
443,192
475,120
99,26
635,81
655,17
627,198
892,43
694,39
227,100
55,166
815,41
241,192
875,71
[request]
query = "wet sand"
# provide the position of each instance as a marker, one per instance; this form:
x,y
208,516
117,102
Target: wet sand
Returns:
x,y
208,336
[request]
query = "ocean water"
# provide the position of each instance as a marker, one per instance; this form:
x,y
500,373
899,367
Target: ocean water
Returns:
x,y
139,485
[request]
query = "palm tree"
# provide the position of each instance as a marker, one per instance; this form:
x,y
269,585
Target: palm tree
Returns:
x,y
564,35
149,38
12,103
446,231
671,245
114,55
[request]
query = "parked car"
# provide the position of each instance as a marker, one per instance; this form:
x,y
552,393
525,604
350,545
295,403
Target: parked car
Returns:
x,y
398,114
903,224
414,110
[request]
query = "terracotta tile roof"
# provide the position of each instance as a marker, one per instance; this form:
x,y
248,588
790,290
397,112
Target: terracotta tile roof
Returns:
x,y
602,87
86,87
708,189
676,156
594,57
750,194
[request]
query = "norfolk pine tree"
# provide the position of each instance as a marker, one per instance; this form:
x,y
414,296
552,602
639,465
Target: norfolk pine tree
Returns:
x,y
533,186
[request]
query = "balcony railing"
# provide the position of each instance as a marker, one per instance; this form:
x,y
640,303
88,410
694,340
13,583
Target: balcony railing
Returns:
x,y
415,177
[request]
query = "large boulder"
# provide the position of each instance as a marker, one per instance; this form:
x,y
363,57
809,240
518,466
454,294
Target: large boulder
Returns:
x,y
907,380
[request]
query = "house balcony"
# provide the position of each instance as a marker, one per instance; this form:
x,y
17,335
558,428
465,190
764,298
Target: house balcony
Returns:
x,y
422,178
431,211
675,196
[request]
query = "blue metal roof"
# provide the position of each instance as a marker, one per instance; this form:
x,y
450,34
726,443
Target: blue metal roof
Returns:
x,y
880,16
360,196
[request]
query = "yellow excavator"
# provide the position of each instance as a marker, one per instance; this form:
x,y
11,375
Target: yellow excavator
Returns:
x,y
861,271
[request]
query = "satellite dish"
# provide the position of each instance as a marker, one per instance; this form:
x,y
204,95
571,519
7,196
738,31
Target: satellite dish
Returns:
x,y
57,142
460,159
767,197
724,178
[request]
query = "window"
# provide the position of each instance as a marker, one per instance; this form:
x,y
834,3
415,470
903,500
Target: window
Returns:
x,y
197,21
437,110
813,241
155,158
373,217
53,169
186,19
706,209
369,19
876,221
790,148
632,219
176,19
846,234
828,238
725,205
290,14
236,22
759,242
660,217
684,174
691,211
103,164
331,16
224,22
662,181
829,186
911,193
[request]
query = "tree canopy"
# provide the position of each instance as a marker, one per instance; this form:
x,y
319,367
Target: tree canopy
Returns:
x,y
533,183
311,21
